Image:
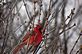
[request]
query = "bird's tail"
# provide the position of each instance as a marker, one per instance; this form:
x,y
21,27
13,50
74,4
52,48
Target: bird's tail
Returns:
x,y
17,48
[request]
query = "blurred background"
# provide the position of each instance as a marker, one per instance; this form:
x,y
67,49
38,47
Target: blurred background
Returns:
x,y
62,34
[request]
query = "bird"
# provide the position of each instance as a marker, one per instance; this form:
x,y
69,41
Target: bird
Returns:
x,y
33,38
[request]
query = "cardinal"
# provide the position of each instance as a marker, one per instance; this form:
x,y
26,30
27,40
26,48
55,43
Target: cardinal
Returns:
x,y
31,39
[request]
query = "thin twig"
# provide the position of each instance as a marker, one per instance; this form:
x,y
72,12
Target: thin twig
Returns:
x,y
77,51
26,9
75,44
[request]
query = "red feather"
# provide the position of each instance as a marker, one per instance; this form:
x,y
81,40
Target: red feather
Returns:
x,y
26,36
38,38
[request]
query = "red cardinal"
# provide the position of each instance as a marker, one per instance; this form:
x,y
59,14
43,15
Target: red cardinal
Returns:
x,y
32,39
